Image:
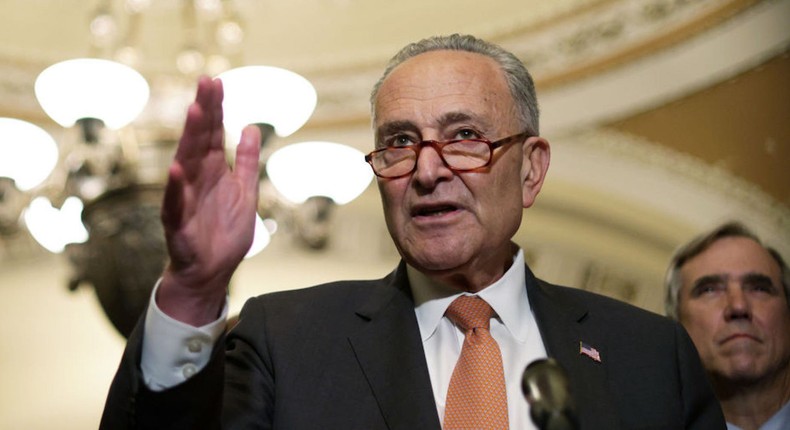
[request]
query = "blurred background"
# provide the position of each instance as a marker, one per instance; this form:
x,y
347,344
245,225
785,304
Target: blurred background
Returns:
x,y
666,117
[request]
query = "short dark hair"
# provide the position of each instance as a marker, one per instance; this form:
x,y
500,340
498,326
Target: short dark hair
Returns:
x,y
701,243
522,87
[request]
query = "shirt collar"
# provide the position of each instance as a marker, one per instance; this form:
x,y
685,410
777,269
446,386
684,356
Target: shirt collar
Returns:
x,y
507,296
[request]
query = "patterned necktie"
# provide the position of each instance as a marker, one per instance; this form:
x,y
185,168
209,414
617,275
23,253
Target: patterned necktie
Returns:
x,y
476,398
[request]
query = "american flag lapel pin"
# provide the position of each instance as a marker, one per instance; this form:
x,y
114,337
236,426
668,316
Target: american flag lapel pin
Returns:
x,y
585,349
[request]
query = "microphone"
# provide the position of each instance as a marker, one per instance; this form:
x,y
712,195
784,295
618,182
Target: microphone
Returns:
x,y
545,386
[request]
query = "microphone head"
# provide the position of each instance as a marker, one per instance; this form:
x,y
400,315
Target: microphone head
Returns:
x,y
545,386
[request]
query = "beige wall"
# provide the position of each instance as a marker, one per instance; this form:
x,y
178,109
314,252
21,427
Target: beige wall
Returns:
x,y
57,351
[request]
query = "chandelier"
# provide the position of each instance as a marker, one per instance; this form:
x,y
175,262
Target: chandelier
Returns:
x,y
94,195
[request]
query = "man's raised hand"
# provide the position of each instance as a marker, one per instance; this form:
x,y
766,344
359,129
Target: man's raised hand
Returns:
x,y
208,211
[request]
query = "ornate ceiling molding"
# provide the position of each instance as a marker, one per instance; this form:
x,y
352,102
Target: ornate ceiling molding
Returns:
x,y
667,183
713,56
614,33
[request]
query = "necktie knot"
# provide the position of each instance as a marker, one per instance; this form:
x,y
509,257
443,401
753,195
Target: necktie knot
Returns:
x,y
470,312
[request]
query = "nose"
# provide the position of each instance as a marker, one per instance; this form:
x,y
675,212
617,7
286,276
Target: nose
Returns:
x,y
738,305
430,169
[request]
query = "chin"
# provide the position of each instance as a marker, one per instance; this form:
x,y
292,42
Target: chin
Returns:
x,y
745,372
433,262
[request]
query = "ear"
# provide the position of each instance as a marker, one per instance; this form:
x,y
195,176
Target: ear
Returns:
x,y
537,155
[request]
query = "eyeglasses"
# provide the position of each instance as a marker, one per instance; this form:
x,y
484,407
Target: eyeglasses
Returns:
x,y
460,155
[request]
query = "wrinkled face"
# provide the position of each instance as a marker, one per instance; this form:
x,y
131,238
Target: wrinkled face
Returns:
x,y
442,222
733,305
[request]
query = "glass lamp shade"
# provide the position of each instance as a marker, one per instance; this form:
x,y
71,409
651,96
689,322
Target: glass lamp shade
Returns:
x,y
265,95
91,88
55,228
303,170
261,238
27,153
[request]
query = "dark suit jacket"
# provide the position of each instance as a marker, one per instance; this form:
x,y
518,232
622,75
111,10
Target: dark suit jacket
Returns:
x,y
348,355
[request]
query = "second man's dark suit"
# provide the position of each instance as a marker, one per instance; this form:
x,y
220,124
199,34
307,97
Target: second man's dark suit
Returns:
x,y
348,355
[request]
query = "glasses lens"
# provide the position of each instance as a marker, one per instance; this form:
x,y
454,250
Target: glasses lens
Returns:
x,y
466,154
394,161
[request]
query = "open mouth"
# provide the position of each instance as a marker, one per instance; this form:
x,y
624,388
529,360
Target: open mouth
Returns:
x,y
432,211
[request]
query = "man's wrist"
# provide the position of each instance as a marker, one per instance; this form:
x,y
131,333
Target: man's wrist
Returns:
x,y
196,305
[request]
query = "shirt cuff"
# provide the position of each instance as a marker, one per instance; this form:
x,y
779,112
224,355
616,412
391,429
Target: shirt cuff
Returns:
x,y
174,351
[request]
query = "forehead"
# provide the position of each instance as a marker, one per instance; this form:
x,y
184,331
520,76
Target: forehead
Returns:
x,y
430,85
732,256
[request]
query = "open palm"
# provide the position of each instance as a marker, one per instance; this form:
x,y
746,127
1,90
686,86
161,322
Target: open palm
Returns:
x,y
209,209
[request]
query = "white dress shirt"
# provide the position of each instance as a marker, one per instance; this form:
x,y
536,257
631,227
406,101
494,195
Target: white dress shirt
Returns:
x,y
174,351
514,329
780,420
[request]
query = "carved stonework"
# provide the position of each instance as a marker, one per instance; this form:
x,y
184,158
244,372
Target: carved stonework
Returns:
x,y
608,30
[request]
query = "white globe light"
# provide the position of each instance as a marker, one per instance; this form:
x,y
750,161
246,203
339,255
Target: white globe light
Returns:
x,y
265,95
303,170
55,228
92,88
261,238
28,154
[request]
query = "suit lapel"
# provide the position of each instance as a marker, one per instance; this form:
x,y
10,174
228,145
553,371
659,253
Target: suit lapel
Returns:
x,y
390,353
561,321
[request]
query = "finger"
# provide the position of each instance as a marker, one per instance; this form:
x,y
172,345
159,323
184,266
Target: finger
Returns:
x,y
247,158
214,109
203,129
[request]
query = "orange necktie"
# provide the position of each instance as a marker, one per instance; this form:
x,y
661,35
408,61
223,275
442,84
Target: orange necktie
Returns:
x,y
476,398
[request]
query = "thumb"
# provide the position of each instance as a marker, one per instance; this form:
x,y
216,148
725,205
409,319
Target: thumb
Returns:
x,y
247,157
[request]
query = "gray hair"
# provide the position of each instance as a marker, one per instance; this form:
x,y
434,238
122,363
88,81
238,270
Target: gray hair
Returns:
x,y
701,243
522,88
